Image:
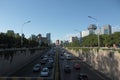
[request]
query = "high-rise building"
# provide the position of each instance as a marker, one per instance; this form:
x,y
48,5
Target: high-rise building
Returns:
x,y
73,39
48,36
107,29
39,37
85,33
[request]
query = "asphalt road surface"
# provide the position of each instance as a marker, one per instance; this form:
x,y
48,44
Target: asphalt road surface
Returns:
x,y
84,68
27,71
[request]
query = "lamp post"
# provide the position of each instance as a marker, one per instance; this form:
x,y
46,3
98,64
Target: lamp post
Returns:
x,y
98,29
22,32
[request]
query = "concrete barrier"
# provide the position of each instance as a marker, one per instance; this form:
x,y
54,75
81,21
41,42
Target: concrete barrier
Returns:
x,y
19,60
105,61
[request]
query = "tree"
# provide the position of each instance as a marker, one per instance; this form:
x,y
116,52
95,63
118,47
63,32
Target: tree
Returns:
x,y
89,41
10,33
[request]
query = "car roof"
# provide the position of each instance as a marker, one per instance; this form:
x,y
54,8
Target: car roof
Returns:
x,y
83,74
37,64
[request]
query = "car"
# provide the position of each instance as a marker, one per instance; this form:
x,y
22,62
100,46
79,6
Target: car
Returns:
x,y
61,54
62,57
42,61
36,68
49,65
51,60
82,76
68,57
65,53
42,57
45,56
77,66
67,68
44,72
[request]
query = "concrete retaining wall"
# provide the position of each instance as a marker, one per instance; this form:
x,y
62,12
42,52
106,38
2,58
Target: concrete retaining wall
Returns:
x,y
19,59
105,61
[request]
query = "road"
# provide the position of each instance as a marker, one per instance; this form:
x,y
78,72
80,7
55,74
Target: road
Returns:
x,y
84,68
27,71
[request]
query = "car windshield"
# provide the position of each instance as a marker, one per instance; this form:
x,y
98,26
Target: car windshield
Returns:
x,y
45,70
37,66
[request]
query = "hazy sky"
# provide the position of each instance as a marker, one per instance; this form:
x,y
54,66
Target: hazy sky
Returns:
x,y
58,17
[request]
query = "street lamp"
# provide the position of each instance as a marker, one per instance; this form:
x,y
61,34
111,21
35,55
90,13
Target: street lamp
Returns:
x,y
98,29
22,31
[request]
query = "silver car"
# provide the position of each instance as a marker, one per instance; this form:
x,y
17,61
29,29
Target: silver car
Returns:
x,y
36,67
44,72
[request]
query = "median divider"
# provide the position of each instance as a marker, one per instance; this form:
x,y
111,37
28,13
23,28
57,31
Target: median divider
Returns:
x,y
57,77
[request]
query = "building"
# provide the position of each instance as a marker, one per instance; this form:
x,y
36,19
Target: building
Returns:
x,y
92,28
44,40
33,37
48,36
73,39
39,39
85,33
57,42
107,29
10,33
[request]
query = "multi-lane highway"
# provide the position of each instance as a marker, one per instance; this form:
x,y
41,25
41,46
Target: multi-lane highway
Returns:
x,y
74,74
27,71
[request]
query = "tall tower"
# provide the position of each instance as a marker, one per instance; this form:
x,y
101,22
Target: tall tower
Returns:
x,y
39,37
48,36
92,28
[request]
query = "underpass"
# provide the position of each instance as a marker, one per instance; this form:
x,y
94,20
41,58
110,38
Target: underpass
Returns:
x,y
84,68
27,71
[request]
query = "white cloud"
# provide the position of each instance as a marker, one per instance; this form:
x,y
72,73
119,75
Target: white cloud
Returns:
x,y
115,28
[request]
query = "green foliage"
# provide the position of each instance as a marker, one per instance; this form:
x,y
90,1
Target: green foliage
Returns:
x,y
105,40
11,40
89,41
119,50
76,48
85,49
73,44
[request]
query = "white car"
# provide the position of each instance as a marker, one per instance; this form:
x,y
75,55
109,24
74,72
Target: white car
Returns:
x,y
68,57
44,72
36,67
50,60
65,53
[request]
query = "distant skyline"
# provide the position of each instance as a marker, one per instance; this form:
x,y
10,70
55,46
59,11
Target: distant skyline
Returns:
x,y
59,17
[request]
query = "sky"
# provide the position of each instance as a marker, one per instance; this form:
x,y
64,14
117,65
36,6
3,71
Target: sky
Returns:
x,y
61,18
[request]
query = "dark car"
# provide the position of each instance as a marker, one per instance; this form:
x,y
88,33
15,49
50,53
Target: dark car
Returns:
x,y
82,76
42,61
67,68
49,65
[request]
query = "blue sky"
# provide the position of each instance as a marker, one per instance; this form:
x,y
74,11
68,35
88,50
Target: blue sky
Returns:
x,y
58,17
